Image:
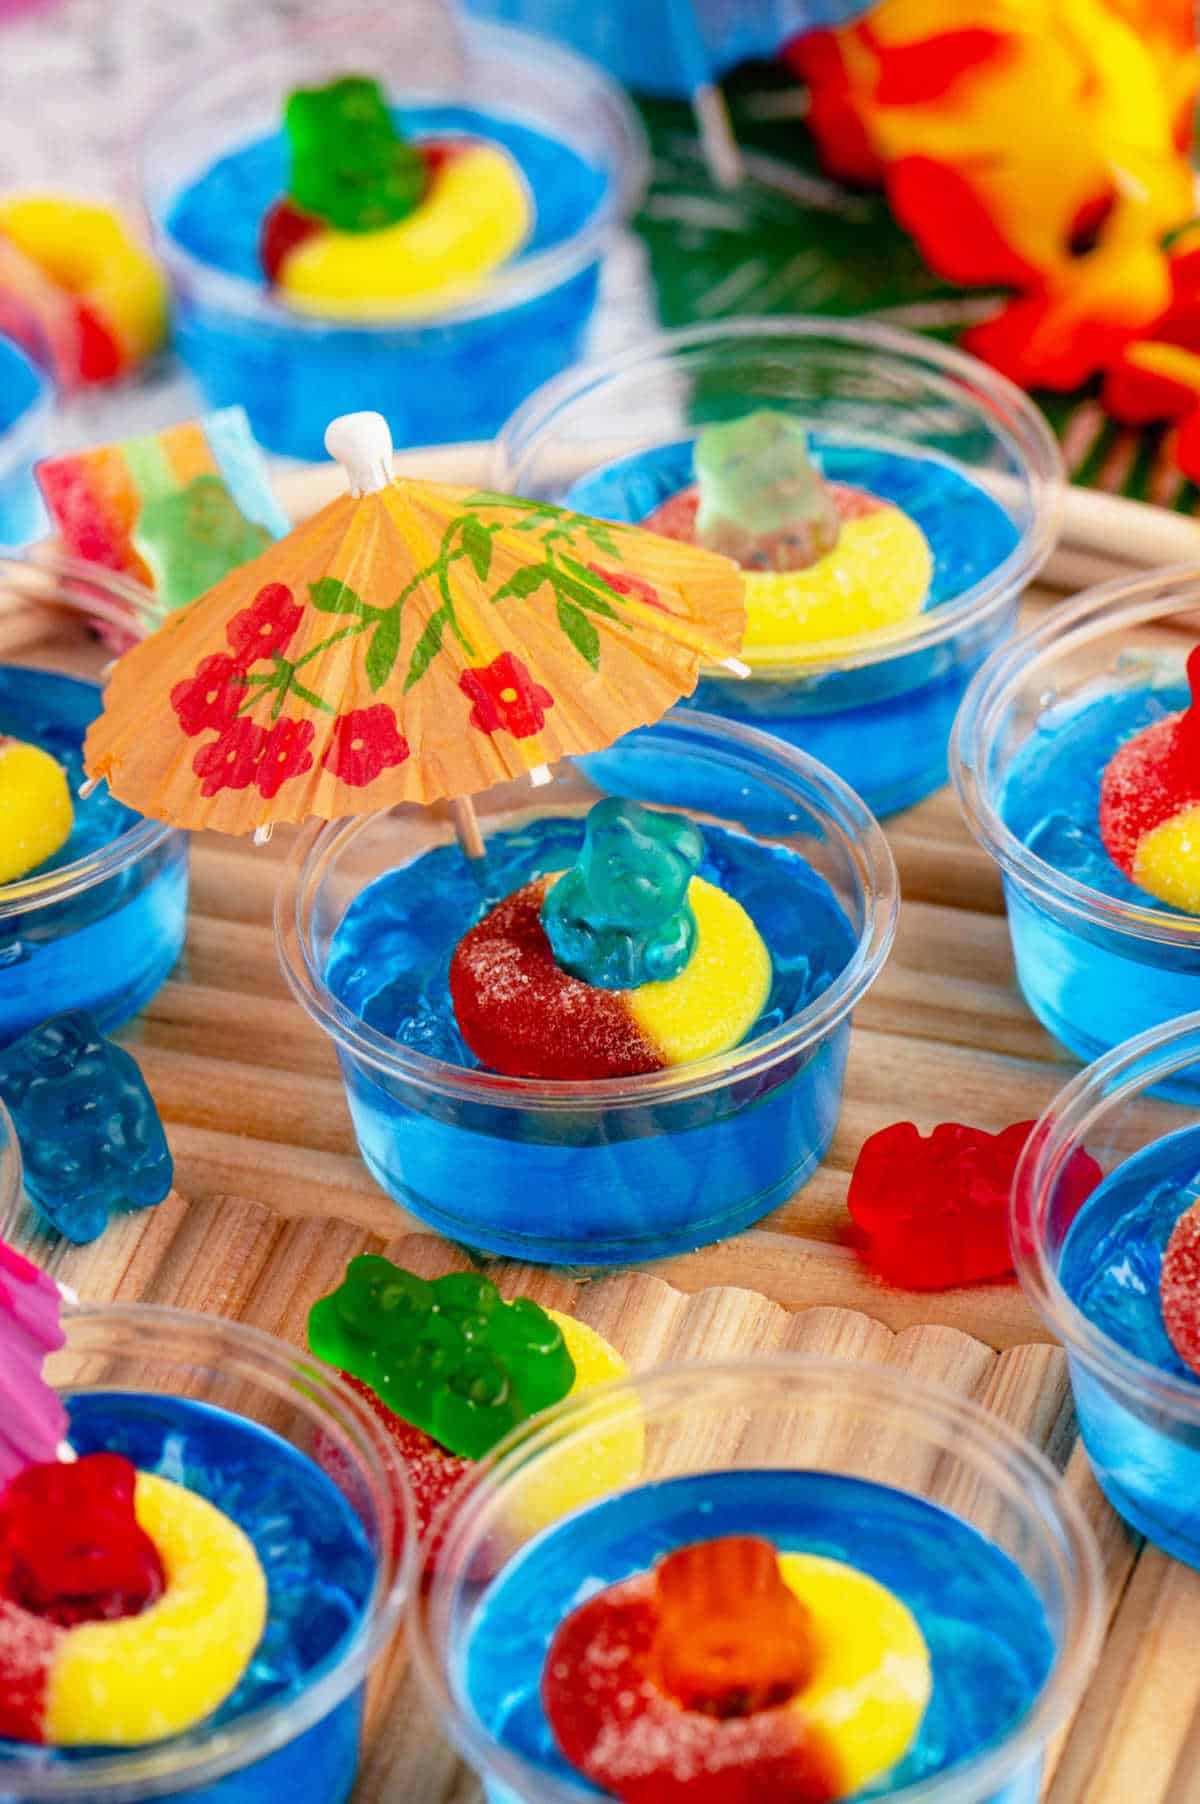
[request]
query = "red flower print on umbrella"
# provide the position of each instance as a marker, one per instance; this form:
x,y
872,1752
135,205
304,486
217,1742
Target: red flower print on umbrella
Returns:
x,y
210,698
365,742
266,626
231,762
285,754
506,696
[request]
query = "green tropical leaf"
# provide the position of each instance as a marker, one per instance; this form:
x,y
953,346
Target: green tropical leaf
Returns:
x,y
601,538
477,543
589,589
580,631
525,582
489,498
584,597
426,649
384,649
334,597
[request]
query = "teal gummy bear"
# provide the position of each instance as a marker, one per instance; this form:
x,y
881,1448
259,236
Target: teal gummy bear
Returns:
x,y
762,501
194,537
620,916
350,166
90,1135
447,1355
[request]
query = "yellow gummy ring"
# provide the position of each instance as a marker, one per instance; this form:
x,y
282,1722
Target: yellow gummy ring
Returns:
x,y
151,1676
87,251
36,813
872,1678
720,993
1167,861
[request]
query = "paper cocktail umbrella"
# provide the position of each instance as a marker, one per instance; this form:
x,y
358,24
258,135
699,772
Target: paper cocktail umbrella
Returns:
x,y
33,1421
410,642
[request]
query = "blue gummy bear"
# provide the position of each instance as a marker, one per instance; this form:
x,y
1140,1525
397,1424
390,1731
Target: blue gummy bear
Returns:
x,y
620,916
90,1134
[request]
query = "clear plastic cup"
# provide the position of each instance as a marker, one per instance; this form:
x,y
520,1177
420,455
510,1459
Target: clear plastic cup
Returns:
x,y
445,375
780,1427
147,1362
103,931
876,707
1095,969
11,1203
1139,1423
25,402
605,1171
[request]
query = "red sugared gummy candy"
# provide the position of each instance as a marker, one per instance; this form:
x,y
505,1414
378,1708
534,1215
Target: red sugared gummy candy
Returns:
x,y
1151,778
284,228
935,1210
1179,1288
433,1473
71,1548
605,1694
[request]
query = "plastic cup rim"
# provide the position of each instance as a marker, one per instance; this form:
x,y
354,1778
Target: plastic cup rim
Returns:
x,y
974,604
836,803
527,279
996,1447
149,1772
1091,615
1119,1075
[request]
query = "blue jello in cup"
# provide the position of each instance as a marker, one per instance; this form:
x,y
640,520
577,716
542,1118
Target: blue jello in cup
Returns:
x,y
24,409
1093,1271
1098,958
922,1490
279,1444
951,444
99,924
215,159
594,1171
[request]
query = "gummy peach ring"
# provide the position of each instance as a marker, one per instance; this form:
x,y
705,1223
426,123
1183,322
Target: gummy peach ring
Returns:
x,y
151,1676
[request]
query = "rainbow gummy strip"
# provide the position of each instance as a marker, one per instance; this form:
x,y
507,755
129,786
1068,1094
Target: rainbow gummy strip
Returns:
x,y
97,498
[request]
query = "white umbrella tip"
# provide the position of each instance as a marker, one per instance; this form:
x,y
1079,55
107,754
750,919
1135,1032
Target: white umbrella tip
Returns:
x,y
362,444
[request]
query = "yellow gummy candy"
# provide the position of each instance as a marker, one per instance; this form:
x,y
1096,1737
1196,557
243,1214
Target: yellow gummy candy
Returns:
x,y
877,575
1167,861
872,1678
721,991
154,1675
35,808
87,250
476,215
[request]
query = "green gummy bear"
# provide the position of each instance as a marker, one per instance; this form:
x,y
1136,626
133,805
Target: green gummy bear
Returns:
x,y
762,501
620,916
192,538
447,1355
350,166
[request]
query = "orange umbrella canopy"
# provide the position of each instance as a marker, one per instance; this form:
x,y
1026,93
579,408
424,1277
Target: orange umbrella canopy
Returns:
x,y
416,642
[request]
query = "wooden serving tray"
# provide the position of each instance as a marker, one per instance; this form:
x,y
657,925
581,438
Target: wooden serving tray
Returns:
x,y
271,1200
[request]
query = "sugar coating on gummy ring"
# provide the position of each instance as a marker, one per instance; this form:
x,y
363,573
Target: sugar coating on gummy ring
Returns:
x,y
1150,805
1179,1288
148,1676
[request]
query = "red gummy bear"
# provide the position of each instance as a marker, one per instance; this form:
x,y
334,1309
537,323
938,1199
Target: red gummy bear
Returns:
x,y
71,1549
1179,1288
935,1211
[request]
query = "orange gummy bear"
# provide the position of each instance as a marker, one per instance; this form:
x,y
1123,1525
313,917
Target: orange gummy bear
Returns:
x,y
732,1637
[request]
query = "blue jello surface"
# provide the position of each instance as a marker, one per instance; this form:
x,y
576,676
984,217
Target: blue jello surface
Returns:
x,y
1092,986
319,1567
106,947
969,534
1147,1458
990,1645
390,958
22,515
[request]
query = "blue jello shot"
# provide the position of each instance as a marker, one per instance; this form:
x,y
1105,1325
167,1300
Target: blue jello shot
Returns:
x,y
595,1171
215,160
1092,1272
954,445
24,411
1099,960
281,1445
99,925
920,1489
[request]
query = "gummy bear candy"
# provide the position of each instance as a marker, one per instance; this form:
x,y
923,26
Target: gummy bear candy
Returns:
x,y
90,1135
1150,804
350,166
761,500
935,1210
194,537
731,1637
620,916
71,1549
449,1356
36,812
1179,1288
